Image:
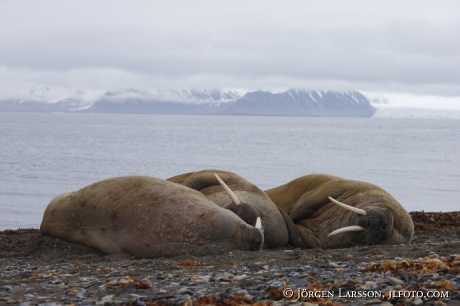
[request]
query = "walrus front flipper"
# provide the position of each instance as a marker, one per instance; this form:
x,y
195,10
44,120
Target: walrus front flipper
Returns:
x,y
309,203
285,196
293,231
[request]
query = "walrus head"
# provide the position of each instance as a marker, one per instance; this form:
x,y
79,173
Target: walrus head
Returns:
x,y
244,210
252,236
374,223
248,214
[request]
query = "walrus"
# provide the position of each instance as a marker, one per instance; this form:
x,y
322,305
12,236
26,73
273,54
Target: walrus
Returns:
x,y
245,199
147,217
333,212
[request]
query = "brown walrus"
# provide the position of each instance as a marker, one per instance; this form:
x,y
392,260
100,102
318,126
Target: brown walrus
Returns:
x,y
233,192
311,202
147,217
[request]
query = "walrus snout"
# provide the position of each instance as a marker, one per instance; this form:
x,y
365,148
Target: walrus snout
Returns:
x,y
253,236
375,224
379,225
245,211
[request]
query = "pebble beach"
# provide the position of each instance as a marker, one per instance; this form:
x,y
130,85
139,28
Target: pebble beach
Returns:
x,y
41,270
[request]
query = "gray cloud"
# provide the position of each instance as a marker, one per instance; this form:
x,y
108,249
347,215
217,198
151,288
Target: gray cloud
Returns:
x,y
388,46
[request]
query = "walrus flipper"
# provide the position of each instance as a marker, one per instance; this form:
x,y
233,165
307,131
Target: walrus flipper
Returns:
x,y
285,196
312,201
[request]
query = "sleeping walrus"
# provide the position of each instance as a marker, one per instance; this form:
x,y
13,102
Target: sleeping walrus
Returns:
x,y
332,212
147,217
231,191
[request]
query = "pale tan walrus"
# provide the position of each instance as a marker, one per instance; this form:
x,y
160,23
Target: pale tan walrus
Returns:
x,y
316,204
147,217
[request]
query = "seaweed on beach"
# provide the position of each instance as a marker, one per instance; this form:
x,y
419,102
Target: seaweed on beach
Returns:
x,y
436,221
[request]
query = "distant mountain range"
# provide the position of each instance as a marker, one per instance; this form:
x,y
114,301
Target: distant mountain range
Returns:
x,y
200,102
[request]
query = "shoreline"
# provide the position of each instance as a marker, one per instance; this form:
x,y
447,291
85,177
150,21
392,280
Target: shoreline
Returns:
x,y
38,269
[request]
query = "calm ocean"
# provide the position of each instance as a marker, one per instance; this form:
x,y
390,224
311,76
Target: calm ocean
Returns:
x,y
43,155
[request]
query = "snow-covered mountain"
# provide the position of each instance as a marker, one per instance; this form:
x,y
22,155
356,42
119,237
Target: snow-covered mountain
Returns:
x,y
51,99
302,103
192,101
212,96
206,96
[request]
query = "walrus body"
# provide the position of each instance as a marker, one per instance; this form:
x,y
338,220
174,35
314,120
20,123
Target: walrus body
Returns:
x,y
307,202
274,225
147,217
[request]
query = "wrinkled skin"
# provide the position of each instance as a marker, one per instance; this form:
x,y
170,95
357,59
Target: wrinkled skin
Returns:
x,y
255,203
306,201
147,217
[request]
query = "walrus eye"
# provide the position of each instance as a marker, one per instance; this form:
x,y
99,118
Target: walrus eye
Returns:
x,y
384,227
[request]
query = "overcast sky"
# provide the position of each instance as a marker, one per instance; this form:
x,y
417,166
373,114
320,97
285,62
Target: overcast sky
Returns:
x,y
393,48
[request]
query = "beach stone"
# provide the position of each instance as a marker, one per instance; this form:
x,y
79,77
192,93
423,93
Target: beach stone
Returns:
x,y
417,301
184,290
369,285
395,281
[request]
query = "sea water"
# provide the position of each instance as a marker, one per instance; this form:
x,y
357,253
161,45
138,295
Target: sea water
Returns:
x,y
47,154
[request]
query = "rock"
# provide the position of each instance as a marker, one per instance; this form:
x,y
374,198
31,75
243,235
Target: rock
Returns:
x,y
395,281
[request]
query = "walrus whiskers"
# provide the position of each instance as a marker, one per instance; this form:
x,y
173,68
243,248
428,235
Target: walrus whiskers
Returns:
x,y
353,228
350,208
228,190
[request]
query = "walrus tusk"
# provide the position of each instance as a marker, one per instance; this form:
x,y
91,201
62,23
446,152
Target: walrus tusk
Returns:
x,y
351,208
259,226
259,223
353,228
228,190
